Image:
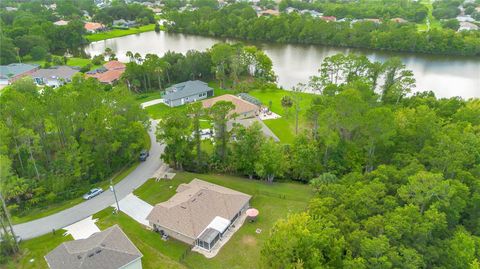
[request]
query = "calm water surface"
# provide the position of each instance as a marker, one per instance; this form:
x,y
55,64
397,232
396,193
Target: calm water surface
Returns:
x,y
447,76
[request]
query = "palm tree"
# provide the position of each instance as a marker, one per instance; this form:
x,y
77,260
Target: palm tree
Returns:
x,y
129,54
138,57
108,51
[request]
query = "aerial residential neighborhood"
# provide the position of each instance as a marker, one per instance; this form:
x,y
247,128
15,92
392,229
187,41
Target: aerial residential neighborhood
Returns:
x,y
212,134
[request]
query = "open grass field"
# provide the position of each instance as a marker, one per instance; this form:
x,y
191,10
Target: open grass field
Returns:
x,y
120,32
284,127
243,250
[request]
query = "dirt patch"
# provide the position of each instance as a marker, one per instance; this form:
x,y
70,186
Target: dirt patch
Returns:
x,y
249,240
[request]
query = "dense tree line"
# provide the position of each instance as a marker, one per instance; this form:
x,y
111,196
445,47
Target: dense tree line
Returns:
x,y
119,10
240,21
384,9
56,143
30,33
446,9
397,181
223,62
396,177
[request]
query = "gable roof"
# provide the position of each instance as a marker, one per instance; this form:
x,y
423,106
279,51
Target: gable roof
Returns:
x,y
241,106
114,65
63,72
195,205
110,249
111,72
186,89
15,69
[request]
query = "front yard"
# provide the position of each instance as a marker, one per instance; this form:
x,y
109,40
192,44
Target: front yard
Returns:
x,y
243,250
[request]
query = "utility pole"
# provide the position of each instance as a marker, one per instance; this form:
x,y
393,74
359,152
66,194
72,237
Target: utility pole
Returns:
x,y
4,205
112,188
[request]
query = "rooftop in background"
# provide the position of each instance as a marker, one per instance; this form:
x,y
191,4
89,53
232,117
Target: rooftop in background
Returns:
x,y
241,106
109,73
16,69
93,26
110,249
58,72
196,205
186,88
61,23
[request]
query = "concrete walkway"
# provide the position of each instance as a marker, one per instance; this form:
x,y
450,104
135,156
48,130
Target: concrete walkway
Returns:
x,y
135,179
151,103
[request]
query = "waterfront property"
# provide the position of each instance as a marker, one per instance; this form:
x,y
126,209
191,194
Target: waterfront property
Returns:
x,y
55,76
12,72
110,73
94,27
187,92
109,249
243,109
199,213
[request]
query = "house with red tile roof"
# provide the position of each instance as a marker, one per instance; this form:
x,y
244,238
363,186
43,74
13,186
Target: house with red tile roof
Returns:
x,y
110,73
94,27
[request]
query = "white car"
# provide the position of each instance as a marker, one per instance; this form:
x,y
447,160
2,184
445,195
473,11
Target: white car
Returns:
x,y
92,193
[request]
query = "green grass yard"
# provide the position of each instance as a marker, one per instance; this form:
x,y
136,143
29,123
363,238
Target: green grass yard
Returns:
x,y
243,250
120,32
73,61
33,251
284,127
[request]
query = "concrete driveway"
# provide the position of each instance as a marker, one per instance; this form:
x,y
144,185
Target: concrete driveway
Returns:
x,y
81,211
249,122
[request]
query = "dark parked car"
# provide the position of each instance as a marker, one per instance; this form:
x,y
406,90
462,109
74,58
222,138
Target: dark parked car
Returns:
x,y
143,155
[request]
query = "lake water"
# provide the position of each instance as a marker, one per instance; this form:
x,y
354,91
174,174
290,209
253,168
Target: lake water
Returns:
x,y
447,76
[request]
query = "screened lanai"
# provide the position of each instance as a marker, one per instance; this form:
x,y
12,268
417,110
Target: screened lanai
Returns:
x,y
212,233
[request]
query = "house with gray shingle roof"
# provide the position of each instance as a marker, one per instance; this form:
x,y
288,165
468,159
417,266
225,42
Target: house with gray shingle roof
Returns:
x,y
54,76
10,73
109,249
186,92
199,213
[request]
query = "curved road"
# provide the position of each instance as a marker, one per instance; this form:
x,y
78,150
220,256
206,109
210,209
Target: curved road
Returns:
x,y
135,179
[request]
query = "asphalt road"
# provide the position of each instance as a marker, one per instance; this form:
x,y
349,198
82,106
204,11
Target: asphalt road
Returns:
x,y
81,211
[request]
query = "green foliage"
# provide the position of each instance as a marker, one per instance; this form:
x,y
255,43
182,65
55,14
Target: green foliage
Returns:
x,y
240,21
63,139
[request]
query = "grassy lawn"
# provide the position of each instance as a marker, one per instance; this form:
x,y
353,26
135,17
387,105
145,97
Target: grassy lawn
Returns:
x,y
120,32
273,201
79,62
36,249
284,127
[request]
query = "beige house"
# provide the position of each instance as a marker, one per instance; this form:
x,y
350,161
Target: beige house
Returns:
x,y
243,109
109,249
199,213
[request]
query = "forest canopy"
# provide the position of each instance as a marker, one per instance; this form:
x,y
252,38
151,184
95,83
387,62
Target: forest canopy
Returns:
x,y
56,143
241,21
